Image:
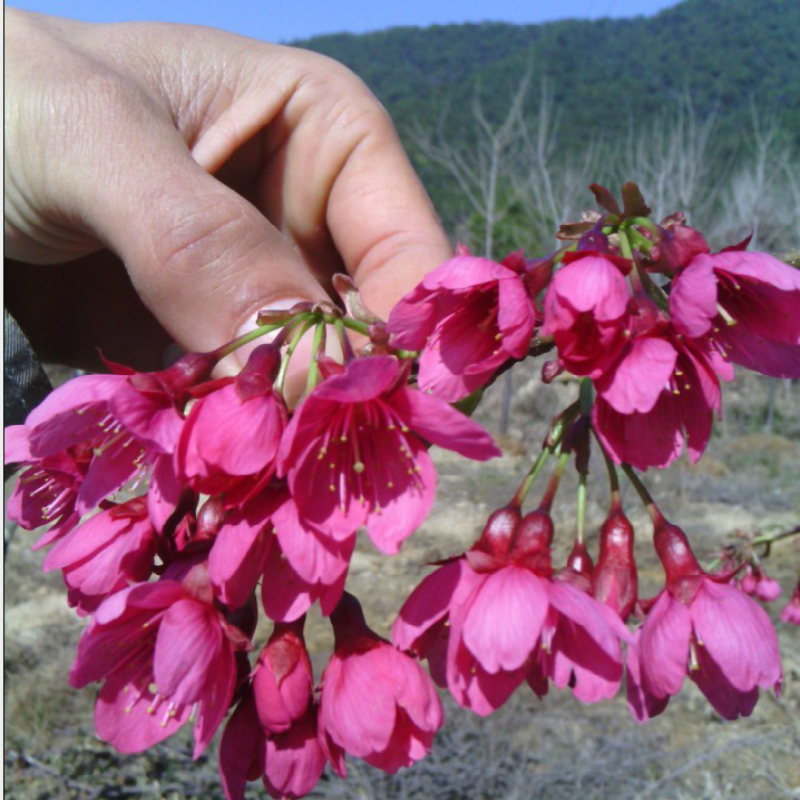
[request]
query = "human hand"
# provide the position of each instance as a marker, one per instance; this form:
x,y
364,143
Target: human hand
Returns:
x,y
227,174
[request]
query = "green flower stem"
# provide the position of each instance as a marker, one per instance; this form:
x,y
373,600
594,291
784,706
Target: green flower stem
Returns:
x,y
555,480
645,496
299,333
355,325
246,338
586,396
580,529
313,369
525,486
625,249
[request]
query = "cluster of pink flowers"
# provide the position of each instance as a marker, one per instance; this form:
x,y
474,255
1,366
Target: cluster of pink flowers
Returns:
x,y
225,494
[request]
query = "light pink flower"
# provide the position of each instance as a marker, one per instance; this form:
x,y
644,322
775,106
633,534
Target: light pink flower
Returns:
x,y
468,317
106,553
659,397
791,613
614,580
586,313
494,618
355,452
163,651
759,296
289,763
396,726
710,631
234,432
757,583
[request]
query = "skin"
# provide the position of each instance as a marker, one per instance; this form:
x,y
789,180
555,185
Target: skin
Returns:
x,y
168,181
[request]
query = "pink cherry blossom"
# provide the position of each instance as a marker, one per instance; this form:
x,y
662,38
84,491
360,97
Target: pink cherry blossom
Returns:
x,y
468,317
659,397
493,618
234,432
791,613
355,452
46,492
586,313
165,655
396,727
105,554
290,764
705,629
746,305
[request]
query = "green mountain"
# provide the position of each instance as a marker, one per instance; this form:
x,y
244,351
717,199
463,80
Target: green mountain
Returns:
x,y
604,73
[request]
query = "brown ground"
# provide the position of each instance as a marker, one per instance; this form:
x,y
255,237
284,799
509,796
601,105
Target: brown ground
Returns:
x,y
530,749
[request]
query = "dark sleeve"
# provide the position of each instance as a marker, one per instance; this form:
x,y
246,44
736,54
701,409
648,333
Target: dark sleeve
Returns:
x,y
25,383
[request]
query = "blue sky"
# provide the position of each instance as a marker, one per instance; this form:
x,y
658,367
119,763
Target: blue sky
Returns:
x,y
291,19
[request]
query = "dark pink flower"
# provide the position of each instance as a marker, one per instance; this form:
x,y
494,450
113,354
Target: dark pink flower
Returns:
x,y
705,629
46,492
676,246
659,397
128,422
491,619
165,655
791,613
106,553
283,684
376,703
290,763
242,542
614,580
755,582
355,452
234,432
746,305
468,317
586,313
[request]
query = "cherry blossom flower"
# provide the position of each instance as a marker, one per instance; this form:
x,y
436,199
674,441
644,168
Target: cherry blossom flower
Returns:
x,y
586,313
614,580
105,554
755,582
494,617
468,317
355,452
746,305
396,727
166,655
703,629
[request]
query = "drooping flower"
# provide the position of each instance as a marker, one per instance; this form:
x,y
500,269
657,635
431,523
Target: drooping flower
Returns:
x,y
105,554
493,618
162,651
355,452
395,728
234,432
126,424
703,629
659,397
586,313
290,764
468,317
746,305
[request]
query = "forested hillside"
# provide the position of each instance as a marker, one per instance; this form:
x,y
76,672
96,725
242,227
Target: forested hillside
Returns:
x,y
702,96
724,51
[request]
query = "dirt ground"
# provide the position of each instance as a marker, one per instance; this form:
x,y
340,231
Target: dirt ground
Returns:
x,y
555,748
